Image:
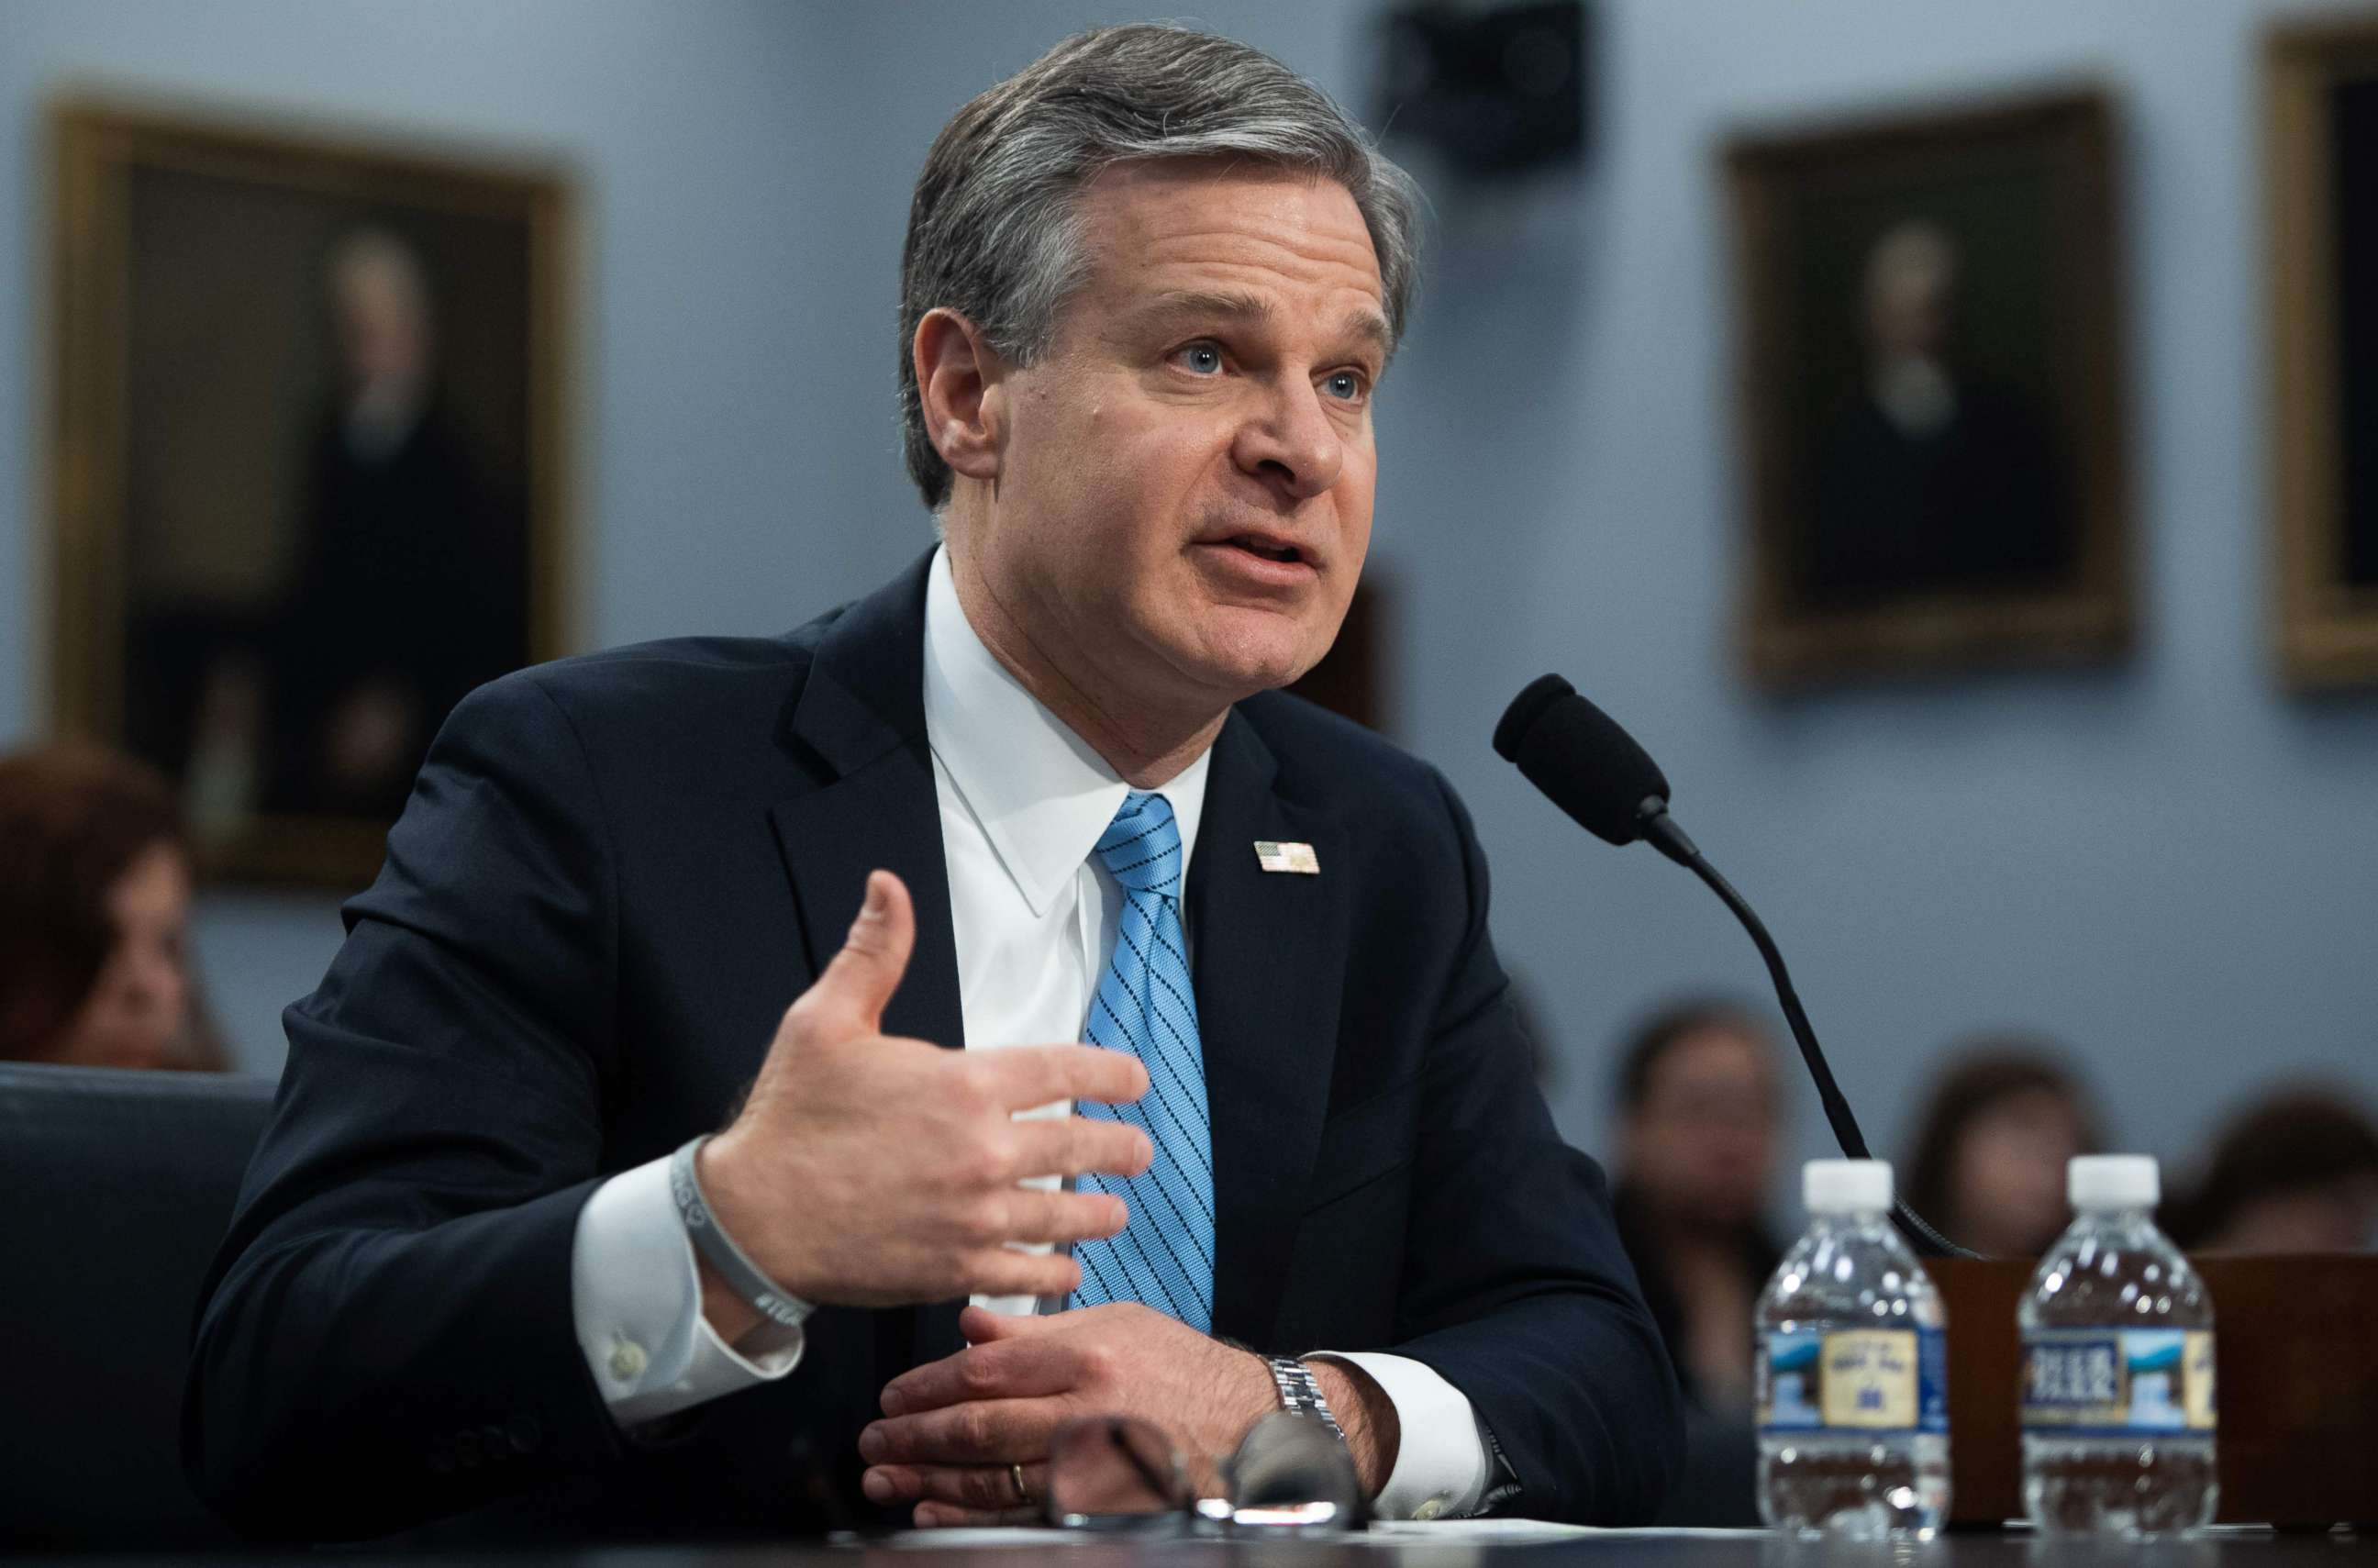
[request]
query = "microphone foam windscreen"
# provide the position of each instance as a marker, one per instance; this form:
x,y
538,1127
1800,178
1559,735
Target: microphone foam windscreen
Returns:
x,y
1577,755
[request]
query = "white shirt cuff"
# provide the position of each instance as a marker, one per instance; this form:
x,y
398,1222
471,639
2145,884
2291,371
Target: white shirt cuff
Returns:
x,y
1441,1465
636,1299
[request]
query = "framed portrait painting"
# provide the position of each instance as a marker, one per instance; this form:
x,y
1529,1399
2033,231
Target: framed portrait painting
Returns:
x,y
1930,393
306,467
2321,143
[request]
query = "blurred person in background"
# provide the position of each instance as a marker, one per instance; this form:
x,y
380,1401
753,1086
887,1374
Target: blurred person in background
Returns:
x,y
2002,1123
95,886
1699,1127
2295,1172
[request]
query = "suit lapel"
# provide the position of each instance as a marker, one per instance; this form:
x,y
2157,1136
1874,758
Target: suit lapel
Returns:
x,y
862,715
1271,957
860,723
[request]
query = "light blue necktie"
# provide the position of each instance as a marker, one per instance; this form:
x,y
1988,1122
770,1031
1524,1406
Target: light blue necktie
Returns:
x,y
1143,1005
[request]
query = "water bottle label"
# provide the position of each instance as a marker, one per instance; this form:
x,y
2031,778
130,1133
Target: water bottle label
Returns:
x,y
2117,1383
1854,1380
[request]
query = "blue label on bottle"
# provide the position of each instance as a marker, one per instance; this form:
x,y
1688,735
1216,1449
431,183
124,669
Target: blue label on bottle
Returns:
x,y
1933,1361
2118,1383
1866,1380
1789,1382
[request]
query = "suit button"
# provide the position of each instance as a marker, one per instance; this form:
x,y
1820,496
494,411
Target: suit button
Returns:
x,y
627,1360
466,1450
524,1433
1429,1509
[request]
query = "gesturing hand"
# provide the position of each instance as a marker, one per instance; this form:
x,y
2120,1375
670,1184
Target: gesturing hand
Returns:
x,y
866,1170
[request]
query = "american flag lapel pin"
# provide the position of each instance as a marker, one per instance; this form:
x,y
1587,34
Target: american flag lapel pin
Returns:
x,y
1297,858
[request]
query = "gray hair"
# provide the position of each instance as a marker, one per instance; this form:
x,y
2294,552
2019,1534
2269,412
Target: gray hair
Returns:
x,y
993,230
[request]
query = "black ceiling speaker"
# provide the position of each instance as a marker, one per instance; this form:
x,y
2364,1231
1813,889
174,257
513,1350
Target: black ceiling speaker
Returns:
x,y
1500,89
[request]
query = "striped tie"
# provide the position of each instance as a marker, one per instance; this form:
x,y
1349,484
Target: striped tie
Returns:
x,y
1165,1256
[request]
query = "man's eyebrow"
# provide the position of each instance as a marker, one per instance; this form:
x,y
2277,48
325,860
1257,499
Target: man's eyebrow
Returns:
x,y
1369,326
1373,328
1176,303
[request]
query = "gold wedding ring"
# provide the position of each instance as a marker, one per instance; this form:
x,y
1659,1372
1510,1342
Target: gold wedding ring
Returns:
x,y
1015,1474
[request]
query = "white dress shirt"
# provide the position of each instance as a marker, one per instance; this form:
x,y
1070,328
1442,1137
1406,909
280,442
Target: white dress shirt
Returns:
x,y
1023,802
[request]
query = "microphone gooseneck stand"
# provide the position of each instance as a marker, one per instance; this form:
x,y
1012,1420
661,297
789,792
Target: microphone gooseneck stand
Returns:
x,y
1667,837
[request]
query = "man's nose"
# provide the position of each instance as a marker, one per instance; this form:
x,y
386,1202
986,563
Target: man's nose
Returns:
x,y
1291,443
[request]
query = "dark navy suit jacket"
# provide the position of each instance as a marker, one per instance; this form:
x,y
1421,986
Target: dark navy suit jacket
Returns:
x,y
614,874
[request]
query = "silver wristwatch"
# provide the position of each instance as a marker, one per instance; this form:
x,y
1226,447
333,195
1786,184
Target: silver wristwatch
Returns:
x,y
1299,1394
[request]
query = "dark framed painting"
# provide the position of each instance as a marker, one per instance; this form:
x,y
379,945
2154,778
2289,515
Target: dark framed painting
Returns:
x,y
1931,388
2321,147
306,470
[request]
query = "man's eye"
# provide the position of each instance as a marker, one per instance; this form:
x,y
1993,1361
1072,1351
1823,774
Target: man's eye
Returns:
x,y
1345,385
1200,359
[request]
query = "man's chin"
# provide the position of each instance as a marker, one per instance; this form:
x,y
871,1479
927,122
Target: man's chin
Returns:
x,y
1244,679
1249,651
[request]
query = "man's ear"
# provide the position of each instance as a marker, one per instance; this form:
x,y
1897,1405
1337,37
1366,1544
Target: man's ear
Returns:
x,y
958,381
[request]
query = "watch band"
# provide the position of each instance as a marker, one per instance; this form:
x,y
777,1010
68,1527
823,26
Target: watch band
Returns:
x,y
1300,1392
743,1276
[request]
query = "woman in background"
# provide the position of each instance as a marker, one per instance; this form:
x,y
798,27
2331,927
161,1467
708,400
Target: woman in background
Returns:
x,y
2001,1125
1700,1128
2297,1171
95,885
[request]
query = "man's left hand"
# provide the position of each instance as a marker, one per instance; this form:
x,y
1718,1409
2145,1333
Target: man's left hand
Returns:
x,y
954,1428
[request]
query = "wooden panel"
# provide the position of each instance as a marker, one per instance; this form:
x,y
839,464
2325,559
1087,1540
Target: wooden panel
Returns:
x,y
2295,1375
1985,1360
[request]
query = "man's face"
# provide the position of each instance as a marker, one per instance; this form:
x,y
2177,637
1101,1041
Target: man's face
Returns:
x,y
383,322
1184,493
1912,292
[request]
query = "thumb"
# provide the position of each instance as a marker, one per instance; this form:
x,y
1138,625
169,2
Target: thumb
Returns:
x,y
861,977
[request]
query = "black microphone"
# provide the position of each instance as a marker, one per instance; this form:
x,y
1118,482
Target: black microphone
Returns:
x,y
1592,769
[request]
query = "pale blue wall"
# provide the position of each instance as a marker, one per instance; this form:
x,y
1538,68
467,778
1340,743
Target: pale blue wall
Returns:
x,y
2169,863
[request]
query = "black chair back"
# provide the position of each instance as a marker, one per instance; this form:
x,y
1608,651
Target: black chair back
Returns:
x,y
115,1187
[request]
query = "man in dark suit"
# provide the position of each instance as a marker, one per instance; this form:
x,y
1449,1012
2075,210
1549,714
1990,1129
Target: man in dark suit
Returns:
x,y
1150,284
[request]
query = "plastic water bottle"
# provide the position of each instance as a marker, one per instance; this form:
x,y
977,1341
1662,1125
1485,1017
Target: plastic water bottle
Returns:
x,y
2117,1415
1851,1371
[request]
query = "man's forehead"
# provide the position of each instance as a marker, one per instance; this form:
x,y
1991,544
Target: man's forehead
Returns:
x,y
1204,230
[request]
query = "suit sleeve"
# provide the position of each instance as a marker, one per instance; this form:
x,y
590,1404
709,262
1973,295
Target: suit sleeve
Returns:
x,y
387,1335
1516,1289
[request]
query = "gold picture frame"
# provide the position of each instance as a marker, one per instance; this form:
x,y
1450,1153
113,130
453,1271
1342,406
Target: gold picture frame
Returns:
x,y
1930,393
308,407
2319,97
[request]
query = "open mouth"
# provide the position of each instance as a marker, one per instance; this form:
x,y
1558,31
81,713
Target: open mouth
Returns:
x,y
1267,550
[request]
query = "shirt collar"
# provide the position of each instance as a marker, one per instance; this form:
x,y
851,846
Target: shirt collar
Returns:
x,y
1041,795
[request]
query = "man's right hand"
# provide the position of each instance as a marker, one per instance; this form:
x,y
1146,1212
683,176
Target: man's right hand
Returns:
x,y
866,1170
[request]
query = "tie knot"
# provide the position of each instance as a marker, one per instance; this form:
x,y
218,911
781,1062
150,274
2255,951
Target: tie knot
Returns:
x,y
1142,846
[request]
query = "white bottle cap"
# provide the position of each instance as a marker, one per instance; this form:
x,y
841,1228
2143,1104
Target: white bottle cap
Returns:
x,y
1845,1187
2114,1181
